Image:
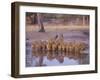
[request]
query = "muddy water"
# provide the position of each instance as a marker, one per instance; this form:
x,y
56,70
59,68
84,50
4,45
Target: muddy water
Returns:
x,y
54,58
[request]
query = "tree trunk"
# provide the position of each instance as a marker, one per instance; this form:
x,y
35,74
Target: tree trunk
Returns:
x,y
83,21
40,22
34,18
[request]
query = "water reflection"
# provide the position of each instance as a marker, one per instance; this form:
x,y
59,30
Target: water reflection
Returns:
x,y
57,58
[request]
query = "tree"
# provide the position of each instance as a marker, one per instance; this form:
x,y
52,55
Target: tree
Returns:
x,y
34,18
40,22
31,18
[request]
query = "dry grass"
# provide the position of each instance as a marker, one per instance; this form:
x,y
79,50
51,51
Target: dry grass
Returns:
x,y
55,27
